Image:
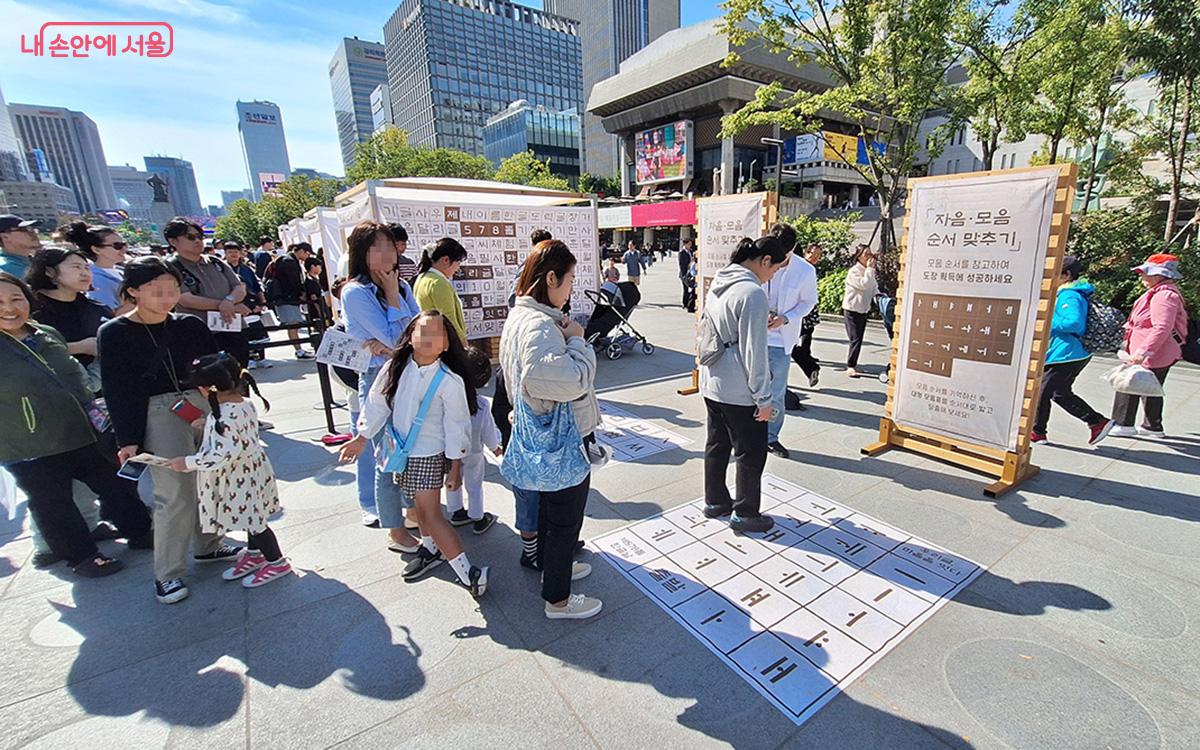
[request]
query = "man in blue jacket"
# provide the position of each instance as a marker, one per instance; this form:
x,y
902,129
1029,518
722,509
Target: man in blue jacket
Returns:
x,y
1066,357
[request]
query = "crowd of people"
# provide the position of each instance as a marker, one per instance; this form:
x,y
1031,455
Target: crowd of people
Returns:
x,y
121,367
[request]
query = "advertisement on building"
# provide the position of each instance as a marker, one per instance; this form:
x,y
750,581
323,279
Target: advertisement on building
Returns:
x,y
664,154
268,181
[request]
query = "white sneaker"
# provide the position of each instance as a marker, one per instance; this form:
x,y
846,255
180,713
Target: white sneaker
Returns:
x,y
580,570
369,519
578,607
1122,431
1151,434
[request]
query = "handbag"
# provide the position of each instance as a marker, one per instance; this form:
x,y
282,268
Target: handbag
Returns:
x,y
545,452
391,453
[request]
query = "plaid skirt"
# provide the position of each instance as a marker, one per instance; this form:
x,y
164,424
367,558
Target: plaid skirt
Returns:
x,y
423,473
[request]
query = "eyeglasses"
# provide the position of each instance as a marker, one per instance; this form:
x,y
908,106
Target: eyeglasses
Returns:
x,y
193,237
114,245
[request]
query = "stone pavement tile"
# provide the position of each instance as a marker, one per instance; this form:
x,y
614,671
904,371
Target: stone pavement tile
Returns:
x,y
187,697
363,656
1003,680
637,679
511,706
862,719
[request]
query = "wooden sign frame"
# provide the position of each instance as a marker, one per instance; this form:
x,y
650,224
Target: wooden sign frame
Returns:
x,y
1009,468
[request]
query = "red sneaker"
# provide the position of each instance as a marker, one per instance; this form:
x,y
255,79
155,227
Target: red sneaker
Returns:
x,y
247,562
1038,438
268,573
1100,431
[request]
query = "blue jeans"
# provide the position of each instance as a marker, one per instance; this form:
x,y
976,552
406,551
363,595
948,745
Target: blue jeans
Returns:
x,y
527,509
779,361
364,468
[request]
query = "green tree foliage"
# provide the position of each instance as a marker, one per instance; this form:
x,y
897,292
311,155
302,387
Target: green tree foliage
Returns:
x,y
830,289
601,186
526,169
136,235
835,236
389,154
293,198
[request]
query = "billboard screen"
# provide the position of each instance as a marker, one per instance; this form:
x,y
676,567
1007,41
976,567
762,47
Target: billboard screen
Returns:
x,y
268,181
664,154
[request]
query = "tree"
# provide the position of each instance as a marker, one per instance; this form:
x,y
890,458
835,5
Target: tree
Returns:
x,y
294,197
601,186
241,223
888,61
526,169
134,234
389,154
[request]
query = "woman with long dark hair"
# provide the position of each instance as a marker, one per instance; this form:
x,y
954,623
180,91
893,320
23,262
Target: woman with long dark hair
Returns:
x,y
433,288
61,278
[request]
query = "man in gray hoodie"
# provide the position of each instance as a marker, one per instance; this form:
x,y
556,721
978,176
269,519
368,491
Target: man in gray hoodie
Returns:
x,y
737,386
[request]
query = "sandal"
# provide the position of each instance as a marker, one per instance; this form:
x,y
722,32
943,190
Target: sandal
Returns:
x,y
98,566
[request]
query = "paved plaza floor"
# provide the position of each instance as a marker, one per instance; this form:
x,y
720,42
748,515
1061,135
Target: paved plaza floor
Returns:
x,y
1080,633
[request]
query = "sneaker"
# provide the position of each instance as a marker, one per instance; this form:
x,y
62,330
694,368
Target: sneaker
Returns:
x,y
852,372
477,580
248,562
169,592
1152,434
1123,431
579,546
267,573
251,365
369,519
776,448
105,532
424,562
1038,438
751,524
1100,431
265,425
483,524
223,553
265,364
578,607
460,518
404,549
530,562
814,379
717,511
580,570
304,354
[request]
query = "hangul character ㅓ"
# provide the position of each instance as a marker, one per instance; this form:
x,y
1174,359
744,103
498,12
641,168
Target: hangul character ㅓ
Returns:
x,y
136,45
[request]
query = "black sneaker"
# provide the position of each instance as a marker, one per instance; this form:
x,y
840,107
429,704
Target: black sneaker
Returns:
x,y
530,562
751,524
169,592
460,518
776,449
477,581
579,546
224,553
717,511
422,564
105,532
485,523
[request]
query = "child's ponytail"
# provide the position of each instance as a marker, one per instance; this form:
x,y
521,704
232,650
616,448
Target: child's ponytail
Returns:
x,y
222,373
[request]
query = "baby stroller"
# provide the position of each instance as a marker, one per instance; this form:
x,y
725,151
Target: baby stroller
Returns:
x,y
614,304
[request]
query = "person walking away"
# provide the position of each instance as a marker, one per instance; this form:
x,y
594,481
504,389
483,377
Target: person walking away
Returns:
x,y
147,355
550,367
484,434
18,241
377,306
263,256
861,288
235,482
802,352
425,399
633,263
255,301
284,285
433,288
105,250
735,381
209,284
49,439
791,295
1155,332
685,263
1066,357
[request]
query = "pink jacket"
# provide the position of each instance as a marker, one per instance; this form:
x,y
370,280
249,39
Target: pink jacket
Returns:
x,y
1157,316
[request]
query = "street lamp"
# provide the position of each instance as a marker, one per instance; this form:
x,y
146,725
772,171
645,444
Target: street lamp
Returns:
x,y
778,144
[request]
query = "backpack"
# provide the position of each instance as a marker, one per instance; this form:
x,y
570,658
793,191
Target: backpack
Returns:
x,y
1191,345
1105,328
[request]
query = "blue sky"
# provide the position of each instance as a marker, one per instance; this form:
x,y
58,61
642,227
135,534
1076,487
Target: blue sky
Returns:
x,y
183,105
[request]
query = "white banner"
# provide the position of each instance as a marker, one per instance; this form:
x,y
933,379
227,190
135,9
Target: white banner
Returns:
x,y
722,223
973,278
615,217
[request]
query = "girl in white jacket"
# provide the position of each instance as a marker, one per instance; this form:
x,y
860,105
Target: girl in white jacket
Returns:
x,y
861,288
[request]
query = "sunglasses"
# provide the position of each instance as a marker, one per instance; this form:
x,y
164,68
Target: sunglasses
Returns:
x,y
193,237
115,245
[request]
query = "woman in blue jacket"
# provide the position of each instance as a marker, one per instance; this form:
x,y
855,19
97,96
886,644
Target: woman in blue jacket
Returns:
x,y
1067,356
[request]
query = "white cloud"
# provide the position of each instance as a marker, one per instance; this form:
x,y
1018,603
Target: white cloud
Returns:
x,y
185,8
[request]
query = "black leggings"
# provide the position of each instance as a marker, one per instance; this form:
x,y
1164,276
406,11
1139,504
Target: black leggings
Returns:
x,y
266,543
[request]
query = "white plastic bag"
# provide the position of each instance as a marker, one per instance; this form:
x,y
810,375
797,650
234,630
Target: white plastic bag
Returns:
x,y
1134,380
8,494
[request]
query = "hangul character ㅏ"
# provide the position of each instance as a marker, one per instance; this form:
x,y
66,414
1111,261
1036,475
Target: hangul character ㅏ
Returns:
x,y
37,48
81,46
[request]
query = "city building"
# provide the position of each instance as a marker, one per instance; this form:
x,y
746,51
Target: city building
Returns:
x,y
229,197
264,147
66,145
214,212
381,108
613,30
452,64
356,69
12,156
551,136
182,191
46,202
134,194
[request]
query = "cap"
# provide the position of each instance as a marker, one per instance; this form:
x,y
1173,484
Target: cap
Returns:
x,y
9,222
1160,264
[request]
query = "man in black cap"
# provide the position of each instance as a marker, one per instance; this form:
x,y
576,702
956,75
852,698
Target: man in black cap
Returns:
x,y
18,241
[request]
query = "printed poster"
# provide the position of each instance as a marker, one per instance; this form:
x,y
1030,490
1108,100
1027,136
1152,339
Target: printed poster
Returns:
x,y
976,257
723,222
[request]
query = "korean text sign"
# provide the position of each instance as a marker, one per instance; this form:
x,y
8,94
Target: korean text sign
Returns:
x,y
723,222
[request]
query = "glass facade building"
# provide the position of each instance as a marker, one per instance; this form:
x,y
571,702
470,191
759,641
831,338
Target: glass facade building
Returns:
x,y
356,69
66,146
181,183
12,156
264,147
134,193
452,64
552,136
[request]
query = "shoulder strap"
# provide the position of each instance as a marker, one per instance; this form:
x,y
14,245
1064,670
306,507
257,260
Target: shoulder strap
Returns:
x,y
426,402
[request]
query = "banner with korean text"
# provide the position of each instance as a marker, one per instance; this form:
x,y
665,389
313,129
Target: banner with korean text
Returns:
x,y
722,223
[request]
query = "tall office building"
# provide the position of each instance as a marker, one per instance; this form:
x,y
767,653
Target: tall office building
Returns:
x,y
452,64
182,191
381,108
229,197
264,147
134,193
613,30
70,143
356,69
552,137
12,157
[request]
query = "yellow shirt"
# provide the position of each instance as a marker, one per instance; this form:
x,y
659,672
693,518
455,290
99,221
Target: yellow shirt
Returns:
x,y
435,292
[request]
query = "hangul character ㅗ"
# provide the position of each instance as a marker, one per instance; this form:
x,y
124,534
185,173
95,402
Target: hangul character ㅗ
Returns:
x,y
81,46
983,217
59,47
106,43
156,46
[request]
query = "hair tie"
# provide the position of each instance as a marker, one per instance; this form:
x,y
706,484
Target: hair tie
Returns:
x,y
214,389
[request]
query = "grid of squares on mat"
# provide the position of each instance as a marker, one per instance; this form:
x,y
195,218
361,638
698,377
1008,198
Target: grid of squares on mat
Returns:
x,y
800,611
631,438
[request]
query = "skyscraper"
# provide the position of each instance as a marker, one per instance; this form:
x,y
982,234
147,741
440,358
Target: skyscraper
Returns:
x,y
614,30
264,147
356,69
12,156
452,64
551,136
181,183
229,197
381,108
134,193
70,143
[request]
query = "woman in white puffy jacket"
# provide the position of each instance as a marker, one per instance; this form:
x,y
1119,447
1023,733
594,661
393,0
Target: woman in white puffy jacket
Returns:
x,y
861,288
547,361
